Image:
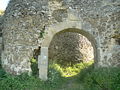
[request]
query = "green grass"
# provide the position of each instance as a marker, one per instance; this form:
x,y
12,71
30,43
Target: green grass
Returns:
x,y
25,82
57,78
70,70
81,76
103,79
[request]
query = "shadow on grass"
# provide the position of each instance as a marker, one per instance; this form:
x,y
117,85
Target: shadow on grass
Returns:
x,y
87,79
24,82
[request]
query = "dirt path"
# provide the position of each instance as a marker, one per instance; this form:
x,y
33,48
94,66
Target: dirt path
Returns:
x,y
72,84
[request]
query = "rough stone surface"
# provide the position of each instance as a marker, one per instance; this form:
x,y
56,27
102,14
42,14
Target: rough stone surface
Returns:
x,y
71,48
25,21
1,20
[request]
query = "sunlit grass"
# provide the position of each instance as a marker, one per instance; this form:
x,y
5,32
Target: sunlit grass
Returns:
x,y
88,78
69,71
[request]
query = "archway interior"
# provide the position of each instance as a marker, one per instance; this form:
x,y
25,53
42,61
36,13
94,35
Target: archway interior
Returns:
x,y
70,50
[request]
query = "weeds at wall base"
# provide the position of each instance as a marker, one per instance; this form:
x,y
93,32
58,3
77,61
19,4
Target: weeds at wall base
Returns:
x,y
88,77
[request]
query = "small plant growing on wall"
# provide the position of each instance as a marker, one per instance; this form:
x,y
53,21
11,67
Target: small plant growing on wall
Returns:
x,y
34,67
42,33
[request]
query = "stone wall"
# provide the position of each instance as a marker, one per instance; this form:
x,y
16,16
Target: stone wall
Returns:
x,y
25,21
71,48
0,38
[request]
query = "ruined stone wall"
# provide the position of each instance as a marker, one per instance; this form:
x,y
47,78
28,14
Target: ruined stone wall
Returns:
x,y
25,21
104,16
1,18
71,48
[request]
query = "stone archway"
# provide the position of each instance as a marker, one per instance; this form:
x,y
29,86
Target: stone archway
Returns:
x,y
68,26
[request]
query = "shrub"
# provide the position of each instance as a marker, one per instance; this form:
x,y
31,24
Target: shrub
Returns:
x,y
34,67
25,82
2,74
54,78
88,77
103,79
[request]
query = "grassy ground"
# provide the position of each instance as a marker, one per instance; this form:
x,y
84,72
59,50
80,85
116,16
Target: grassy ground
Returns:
x,y
80,76
70,70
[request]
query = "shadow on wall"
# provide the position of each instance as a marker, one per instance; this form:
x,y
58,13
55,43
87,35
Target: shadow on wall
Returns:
x,y
36,53
34,61
70,48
